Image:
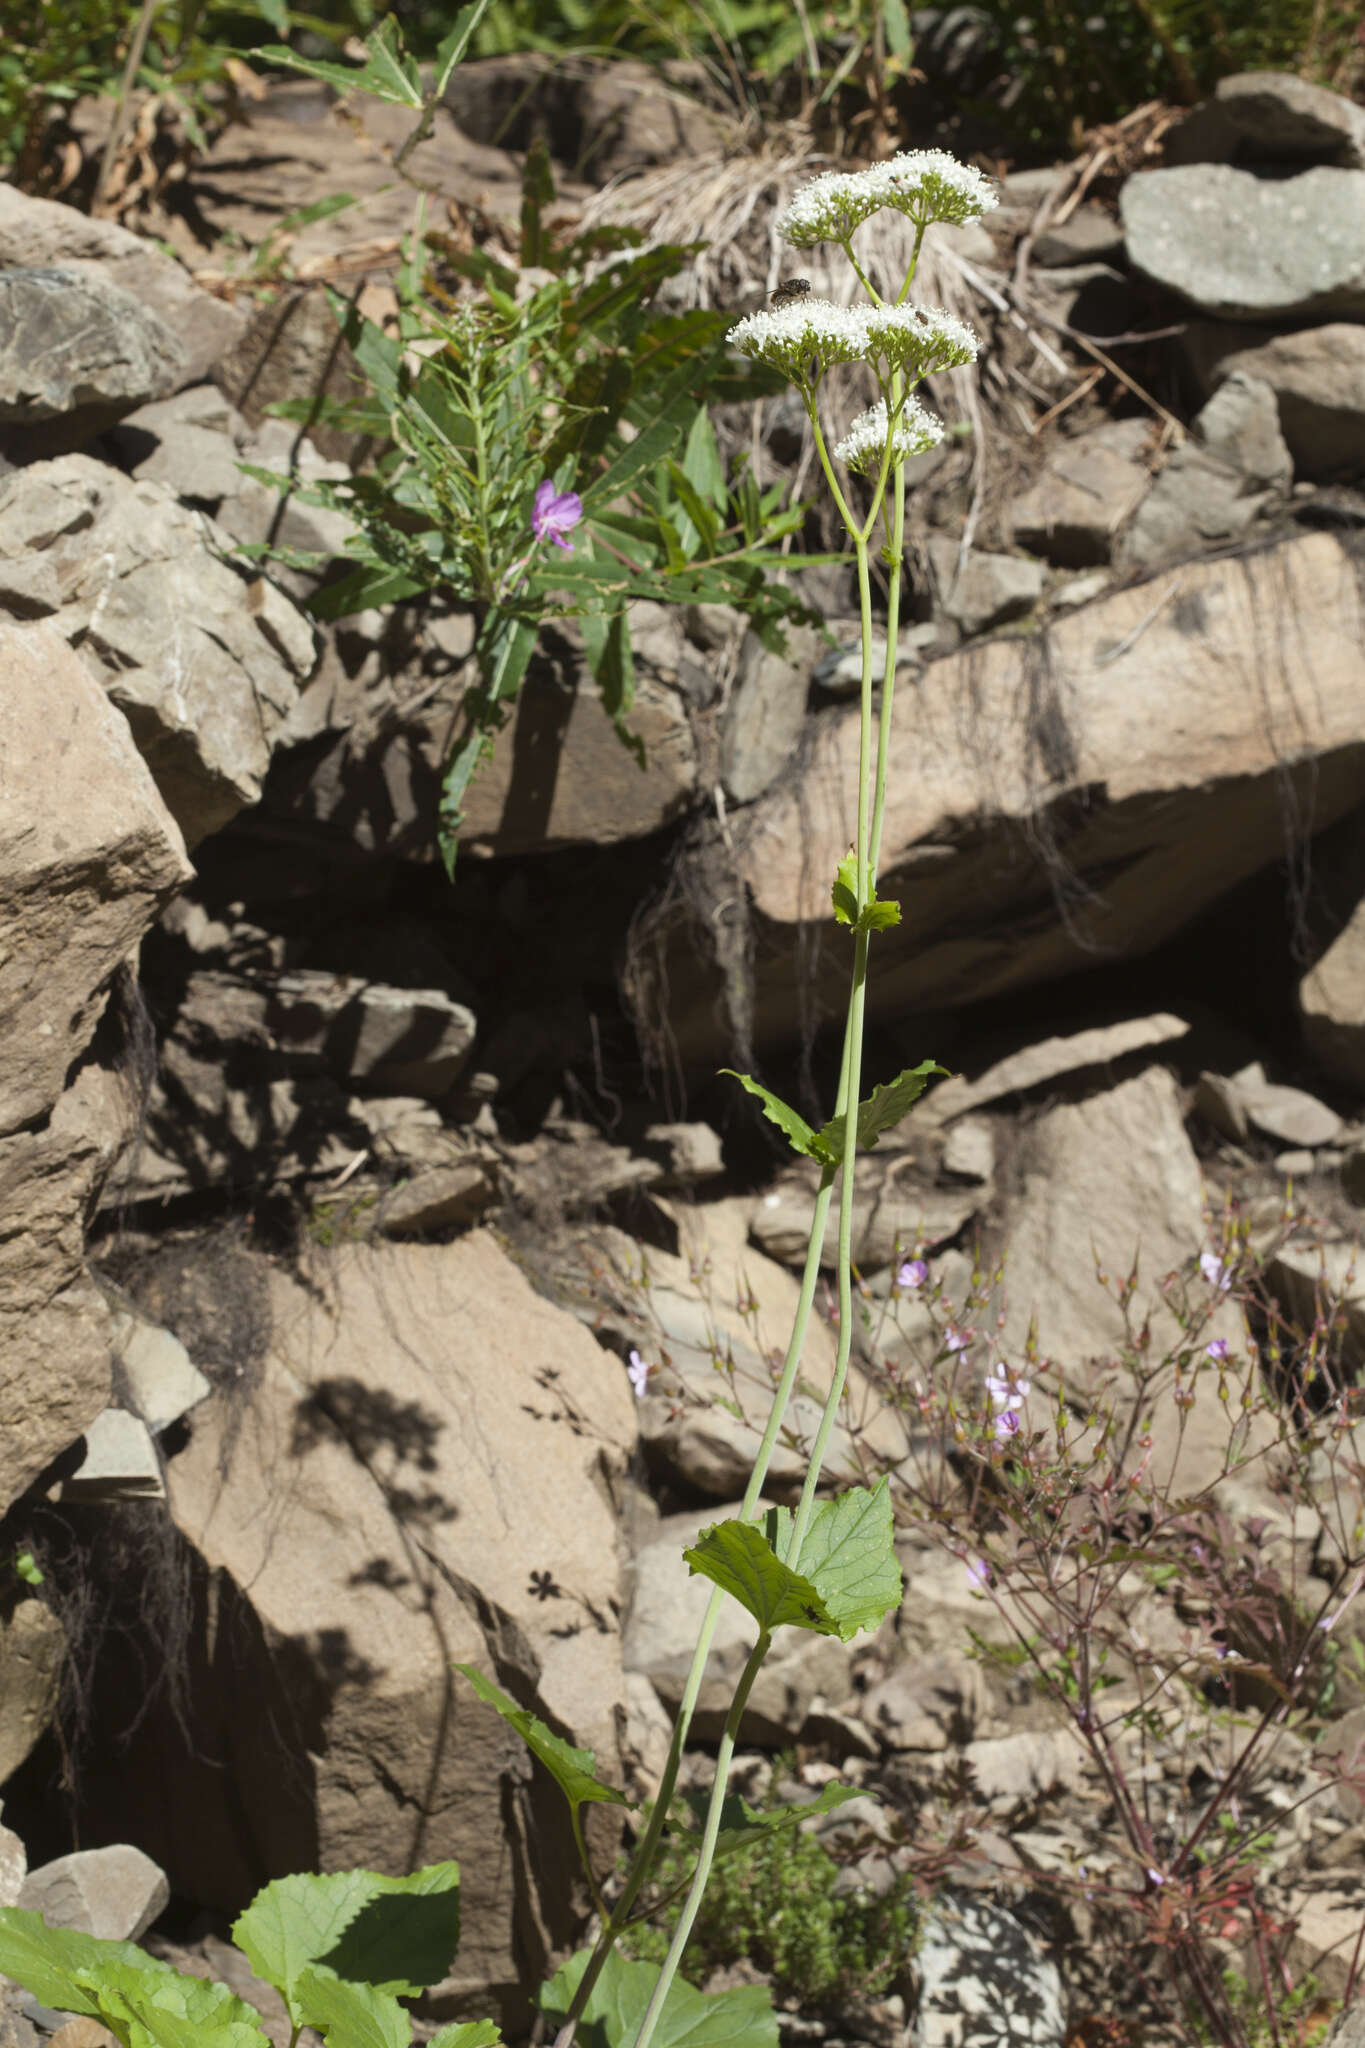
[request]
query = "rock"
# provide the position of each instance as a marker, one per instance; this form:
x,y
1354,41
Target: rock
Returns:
x,y
926,1703
1353,1176
1276,117
1081,1057
767,712
453,1445
689,1153
1118,742
969,1151
76,353
892,1214
204,662
1017,1770
1104,1182
1196,503
38,232
13,1866
1349,2028
1317,376
989,591
1290,1115
398,1041
114,1893
984,1978
443,1198
1088,489
291,348
120,1462
1314,1280
1332,1004
163,1383
1202,230
1327,1917
1090,235
32,1650
88,853
1219,1101
1240,424
666,1606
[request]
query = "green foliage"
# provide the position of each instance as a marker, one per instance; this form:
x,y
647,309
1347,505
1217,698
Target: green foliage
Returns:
x,y
53,52
340,1950
743,2018
851,1577
1076,63
25,1566
789,1121
887,1105
775,1903
582,382
1296,2018
573,1770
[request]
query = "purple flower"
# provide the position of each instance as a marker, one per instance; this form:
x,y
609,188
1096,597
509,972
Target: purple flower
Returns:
x,y
1005,1391
1214,1271
913,1273
1218,1348
979,1573
1006,1425
555,514
637,1372
957,1340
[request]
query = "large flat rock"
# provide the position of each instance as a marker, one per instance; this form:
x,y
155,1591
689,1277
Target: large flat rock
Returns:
x,y
1243,247
1085,792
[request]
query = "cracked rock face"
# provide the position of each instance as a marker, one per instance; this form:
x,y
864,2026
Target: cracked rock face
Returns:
x,y
77,348
204,660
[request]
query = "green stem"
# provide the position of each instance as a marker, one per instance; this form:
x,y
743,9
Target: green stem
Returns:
x,y
710,1834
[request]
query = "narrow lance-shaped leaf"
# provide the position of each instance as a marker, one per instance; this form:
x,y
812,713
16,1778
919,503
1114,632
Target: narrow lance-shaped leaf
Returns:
x,y
738,1557
451,50
789,1121
573,1770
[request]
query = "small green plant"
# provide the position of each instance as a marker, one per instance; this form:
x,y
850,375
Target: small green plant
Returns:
x,y
778,1904
25,1566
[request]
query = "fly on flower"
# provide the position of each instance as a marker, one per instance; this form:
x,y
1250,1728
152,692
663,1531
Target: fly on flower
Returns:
x,y
789,291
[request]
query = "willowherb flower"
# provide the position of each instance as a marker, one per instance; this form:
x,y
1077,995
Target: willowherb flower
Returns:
x,y
808,335
864,445
637,1372
924,184
555,514
1215,1271
919,339
914,1272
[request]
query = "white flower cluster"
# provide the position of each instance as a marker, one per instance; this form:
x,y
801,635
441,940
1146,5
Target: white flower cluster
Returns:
x,y
919,339
864,444
789,337
924,184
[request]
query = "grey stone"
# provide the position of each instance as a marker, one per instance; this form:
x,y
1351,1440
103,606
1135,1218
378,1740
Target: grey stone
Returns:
x,y
1240,424
926,1703
1332,1004
41,231
32,1652
163,1382
1088,236
1279,118
1080,1053
76,348
1312,1280
120,1462
1207,231
115,1893
985,1980
1197,502
13,1867
969,1152
1290,1115
440,1199
1317,376
1082,589
767,713
1296,1165
1219,1102
1088,489
840,669
990,590
690,1153
204,661
398,1041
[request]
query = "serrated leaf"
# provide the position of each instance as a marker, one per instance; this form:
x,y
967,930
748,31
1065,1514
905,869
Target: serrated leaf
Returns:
x,y
468,2034
884,1108
52,1962
789,1121
848,1554
572,1769
738,1557
741,1826
844,893
880,915
388,72
743,2018
151,2007
404,1930
450,52
350,2015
